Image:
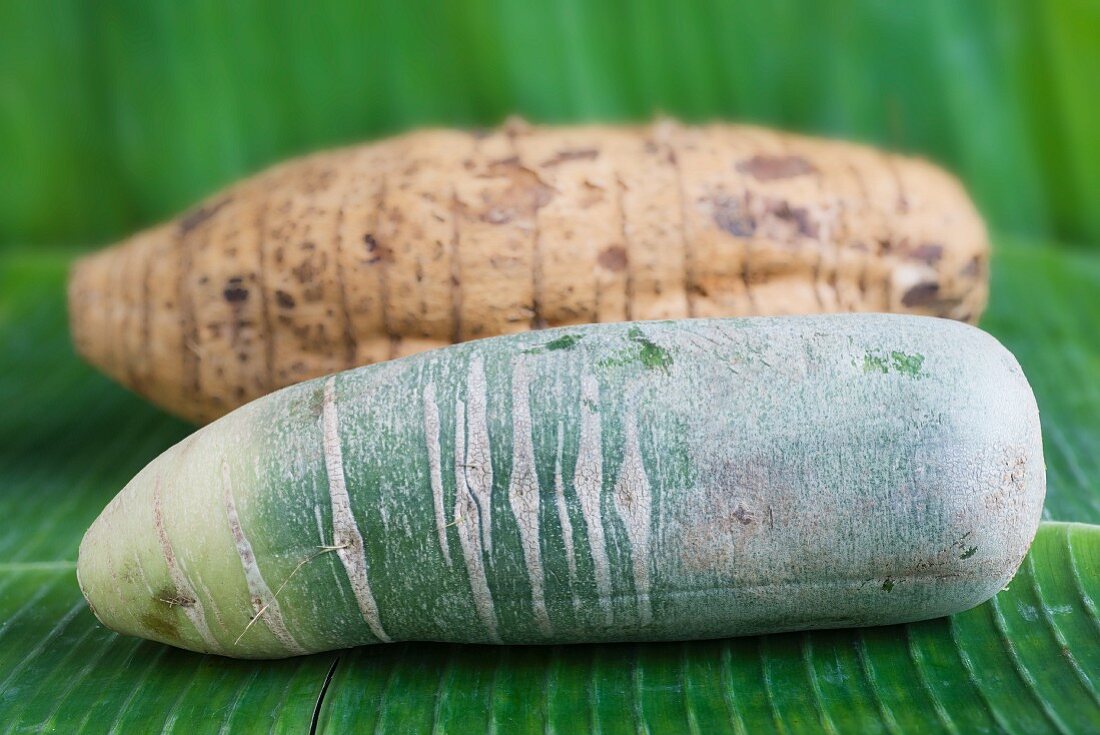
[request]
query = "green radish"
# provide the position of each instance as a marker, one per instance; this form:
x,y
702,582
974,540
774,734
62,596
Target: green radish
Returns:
x,y
651,480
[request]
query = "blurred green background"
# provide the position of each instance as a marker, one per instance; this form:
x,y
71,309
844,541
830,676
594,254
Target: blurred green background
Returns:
x,y
116,113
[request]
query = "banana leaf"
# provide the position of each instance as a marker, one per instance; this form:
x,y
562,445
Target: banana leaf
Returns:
x,y
1027,661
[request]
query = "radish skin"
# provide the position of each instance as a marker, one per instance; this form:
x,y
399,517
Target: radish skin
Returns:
x,y
634,481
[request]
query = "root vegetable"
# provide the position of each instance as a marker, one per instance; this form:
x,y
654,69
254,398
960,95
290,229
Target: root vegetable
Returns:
x,y
638,481
355,256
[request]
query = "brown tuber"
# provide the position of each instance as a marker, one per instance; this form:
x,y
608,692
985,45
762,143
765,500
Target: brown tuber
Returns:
x,y
354,256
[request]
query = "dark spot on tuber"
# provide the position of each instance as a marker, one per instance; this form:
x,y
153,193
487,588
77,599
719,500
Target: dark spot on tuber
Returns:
x,y
284,299
234,292
969,552
928,252
730,217
771,168
613,258
305,272
798,216
375,251
922,294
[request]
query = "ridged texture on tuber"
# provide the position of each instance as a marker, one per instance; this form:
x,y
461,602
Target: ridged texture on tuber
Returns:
x,y
355,256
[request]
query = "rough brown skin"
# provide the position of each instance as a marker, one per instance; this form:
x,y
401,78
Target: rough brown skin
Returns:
x,y
353,256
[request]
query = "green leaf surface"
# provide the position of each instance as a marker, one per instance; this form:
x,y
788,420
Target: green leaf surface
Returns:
x,y
117,113
1025,662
